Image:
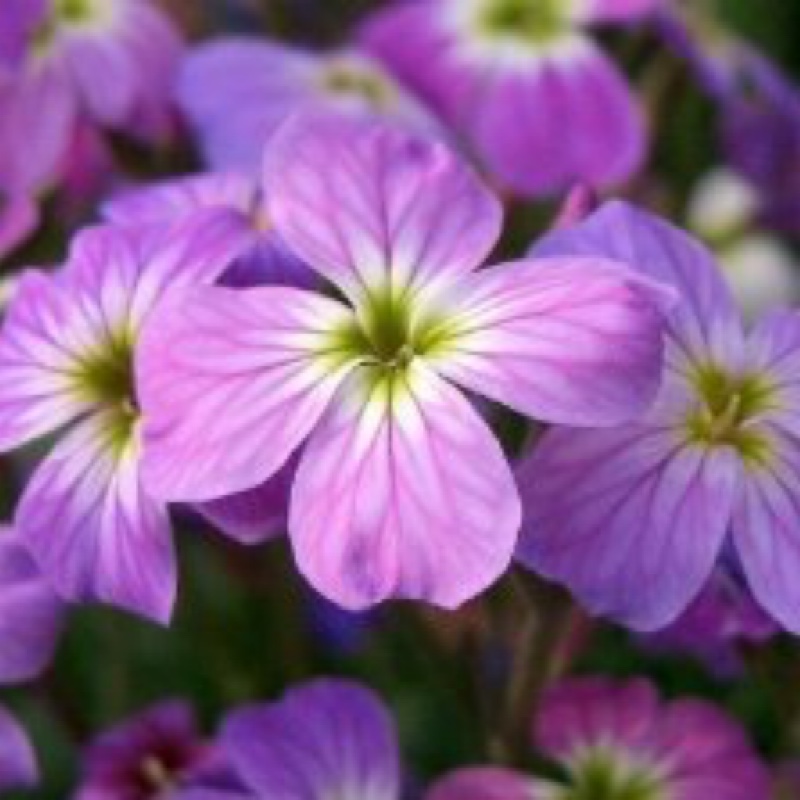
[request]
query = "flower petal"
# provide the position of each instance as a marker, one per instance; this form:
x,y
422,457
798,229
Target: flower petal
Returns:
x,y
617,10
231,382
369,206
326,739
705,324
402,491
531,130
31,615
92,527
18,767
19,218
483,783
575,341
235,92
632,519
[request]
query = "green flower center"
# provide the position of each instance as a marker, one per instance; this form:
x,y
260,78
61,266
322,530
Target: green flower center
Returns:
x,y
349,77
106,376
68,13
536,21
602,776
74,10
728,406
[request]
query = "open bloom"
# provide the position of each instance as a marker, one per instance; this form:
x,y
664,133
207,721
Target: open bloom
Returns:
x,y
401,489
618,741
330,738
18,768
107,62
236,91
634,519
31,614
66,364
147,757
540,104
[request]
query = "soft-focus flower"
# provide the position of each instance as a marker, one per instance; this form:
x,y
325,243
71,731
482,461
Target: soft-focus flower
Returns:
x,y
66,359
19,216
722,618
237,91
327,739
522,80
148,757
619,741
633,519
31,615
18,768
760,269
109,62
401,489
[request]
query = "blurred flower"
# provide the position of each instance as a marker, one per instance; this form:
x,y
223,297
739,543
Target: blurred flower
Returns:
x,y
618,741
722,618
148,757
236,92
31,615
330,738
110,62
634,519
539,103
760,269
402,490
19,217
67,359
18,767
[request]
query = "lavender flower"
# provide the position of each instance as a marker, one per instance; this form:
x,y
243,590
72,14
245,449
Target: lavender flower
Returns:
x,y
66,359
619,741
31,615
18,767
236,91
539,103
635,519
401,489
148,757
330,738
67,61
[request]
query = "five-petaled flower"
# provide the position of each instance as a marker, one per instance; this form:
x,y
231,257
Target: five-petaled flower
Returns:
x,y
401,489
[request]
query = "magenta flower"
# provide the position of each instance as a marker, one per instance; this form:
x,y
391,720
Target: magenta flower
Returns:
x,y
66,360
31,615
18,768
634,519
111,62
618,740
147,757
236,91
402,489
327,739
539,103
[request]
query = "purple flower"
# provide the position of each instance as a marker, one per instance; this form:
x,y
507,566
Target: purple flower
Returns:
x,y
19,217
327,739
236,92
634,519
31,615
538,102
111,62
18,767
723,617
66,359
148,757
401,489
618,740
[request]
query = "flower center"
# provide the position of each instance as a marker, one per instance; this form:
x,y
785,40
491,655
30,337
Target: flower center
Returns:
x,y
69,14
602,776
536,21
728,406
351,77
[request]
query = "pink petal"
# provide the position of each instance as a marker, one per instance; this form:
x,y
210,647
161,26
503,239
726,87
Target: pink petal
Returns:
x,y
18,766
404,492
632,520
230,383
369,206
574,341
483,783
619,10
93,528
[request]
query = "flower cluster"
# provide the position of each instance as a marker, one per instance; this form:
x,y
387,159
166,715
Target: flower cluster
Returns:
x,y
363,322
